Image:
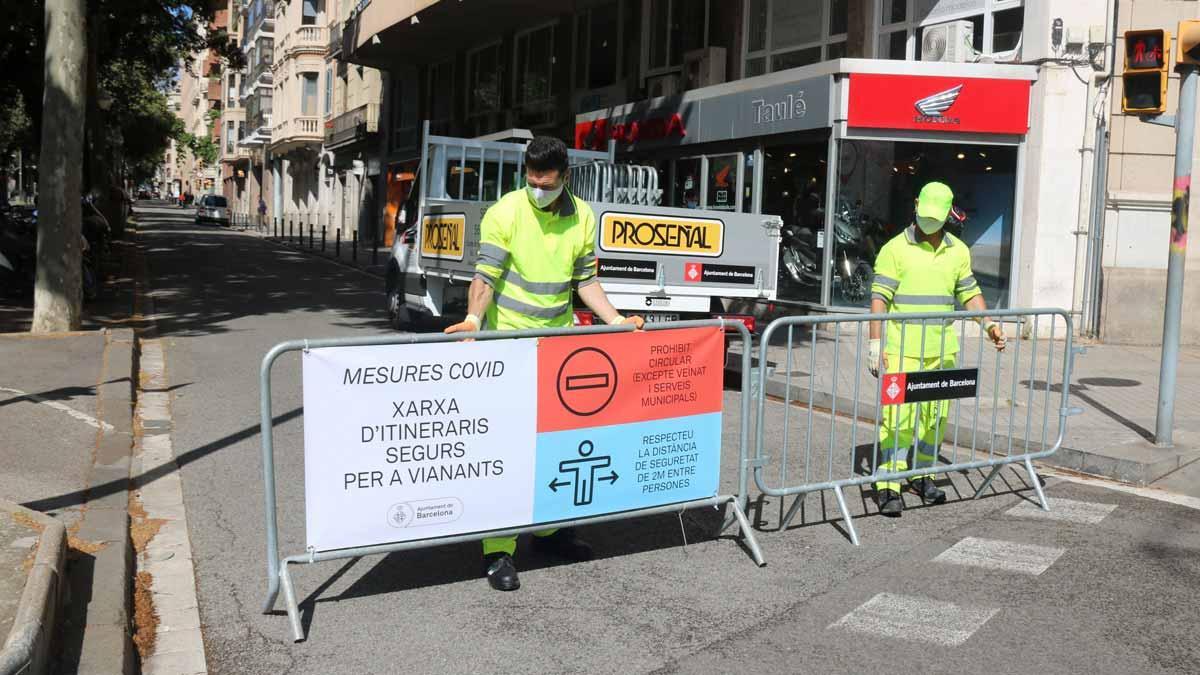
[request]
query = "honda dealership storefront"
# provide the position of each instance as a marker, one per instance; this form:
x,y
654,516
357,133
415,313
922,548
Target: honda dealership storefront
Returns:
x,y
839,150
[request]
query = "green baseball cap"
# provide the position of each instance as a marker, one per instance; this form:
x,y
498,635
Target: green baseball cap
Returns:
x,y
935,201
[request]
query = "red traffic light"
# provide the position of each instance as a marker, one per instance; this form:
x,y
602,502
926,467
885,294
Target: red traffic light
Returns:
x,y
1145,49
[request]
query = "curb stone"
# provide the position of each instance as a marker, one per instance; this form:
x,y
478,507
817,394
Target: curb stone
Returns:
x,y
27,649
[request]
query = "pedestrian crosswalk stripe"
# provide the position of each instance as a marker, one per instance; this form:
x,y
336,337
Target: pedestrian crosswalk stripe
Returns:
x,y
1085,513
1005,556
908,617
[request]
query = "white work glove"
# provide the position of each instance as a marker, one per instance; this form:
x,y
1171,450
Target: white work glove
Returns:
x,y
996,333
873,357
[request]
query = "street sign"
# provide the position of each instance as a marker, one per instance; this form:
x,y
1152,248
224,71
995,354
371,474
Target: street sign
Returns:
x,y
412,442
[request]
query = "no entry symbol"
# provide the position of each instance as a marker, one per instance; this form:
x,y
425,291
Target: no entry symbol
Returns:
x,y
587,381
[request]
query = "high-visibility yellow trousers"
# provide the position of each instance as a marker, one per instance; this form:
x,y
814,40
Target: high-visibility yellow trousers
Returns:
x,y
926,422
508,544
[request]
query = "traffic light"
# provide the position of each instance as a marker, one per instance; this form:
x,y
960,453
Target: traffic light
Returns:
x,y
1145,76
1189,42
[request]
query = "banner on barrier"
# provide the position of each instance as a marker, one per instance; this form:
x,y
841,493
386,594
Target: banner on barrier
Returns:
x,y
418,441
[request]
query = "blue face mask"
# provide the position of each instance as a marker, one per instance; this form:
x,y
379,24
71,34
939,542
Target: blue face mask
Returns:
x,y
542,197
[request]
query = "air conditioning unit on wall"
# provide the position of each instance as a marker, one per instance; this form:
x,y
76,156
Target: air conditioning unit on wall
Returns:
x,y
704,67
663,85
948,42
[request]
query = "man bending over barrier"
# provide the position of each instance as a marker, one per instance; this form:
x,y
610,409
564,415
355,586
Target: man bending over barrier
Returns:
x,y
923,269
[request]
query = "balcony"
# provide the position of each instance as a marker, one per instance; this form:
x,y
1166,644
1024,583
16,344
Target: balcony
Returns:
x,y
351,127
294,132
335,39
305,39
214,89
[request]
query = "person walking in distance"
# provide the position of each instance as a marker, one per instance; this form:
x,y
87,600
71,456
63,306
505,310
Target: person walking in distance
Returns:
x,y
536,245
923,269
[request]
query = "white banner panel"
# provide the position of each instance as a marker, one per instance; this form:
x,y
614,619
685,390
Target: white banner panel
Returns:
x,y
407,442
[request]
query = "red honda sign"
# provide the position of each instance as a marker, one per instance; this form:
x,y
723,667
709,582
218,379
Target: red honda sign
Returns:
x,y
927,103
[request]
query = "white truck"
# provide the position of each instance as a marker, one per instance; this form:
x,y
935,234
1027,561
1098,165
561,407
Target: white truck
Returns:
x,y
665,264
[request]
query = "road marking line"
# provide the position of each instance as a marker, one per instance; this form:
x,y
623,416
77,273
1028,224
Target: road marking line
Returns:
x,y
82,417
909,617
1005,556
1156,494
1085,513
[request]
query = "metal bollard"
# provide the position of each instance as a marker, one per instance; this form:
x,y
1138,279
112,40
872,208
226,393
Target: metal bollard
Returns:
x,y
291,229
337,244
374,253
322,239
310,236
354,251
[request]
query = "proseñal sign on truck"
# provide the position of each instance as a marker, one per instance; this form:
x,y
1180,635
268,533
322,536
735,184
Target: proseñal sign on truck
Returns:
x,y
662,235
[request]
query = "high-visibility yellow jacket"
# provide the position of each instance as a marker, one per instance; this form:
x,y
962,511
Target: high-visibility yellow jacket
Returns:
x,y
531,258
912,277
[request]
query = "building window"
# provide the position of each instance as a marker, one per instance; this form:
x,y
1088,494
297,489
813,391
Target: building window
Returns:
x,y
308,99
328,92
534,69
484,70
439,100
995,25
672,28
597,46
311,9
783,34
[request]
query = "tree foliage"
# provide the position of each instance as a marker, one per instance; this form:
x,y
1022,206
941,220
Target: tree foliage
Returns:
x,y
139,51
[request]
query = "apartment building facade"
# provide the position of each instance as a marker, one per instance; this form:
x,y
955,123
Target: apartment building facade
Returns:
x,y
234,156
255,96
1023,165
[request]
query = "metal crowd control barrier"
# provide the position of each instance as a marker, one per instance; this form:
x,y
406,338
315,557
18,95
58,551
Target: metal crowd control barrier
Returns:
x,y
278,576
847,395
603,181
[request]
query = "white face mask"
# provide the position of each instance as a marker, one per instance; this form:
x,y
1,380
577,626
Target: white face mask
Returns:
x,y
929,225
542,197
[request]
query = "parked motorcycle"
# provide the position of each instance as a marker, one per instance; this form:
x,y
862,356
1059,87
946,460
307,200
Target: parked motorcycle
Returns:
x,y
854,236
18,253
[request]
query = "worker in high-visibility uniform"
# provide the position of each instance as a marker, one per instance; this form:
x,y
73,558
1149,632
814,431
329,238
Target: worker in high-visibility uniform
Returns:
x,y
536,245
923,269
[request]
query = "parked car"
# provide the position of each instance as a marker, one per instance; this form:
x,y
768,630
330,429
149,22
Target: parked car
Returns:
x,y
212,209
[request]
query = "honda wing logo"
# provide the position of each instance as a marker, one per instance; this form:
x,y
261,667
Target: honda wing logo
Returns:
x,y
932,107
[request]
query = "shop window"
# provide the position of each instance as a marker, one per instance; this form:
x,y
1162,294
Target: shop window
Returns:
x,y
877,186
597,46
534,66
996,24
685,190
794,190
785,34
722,178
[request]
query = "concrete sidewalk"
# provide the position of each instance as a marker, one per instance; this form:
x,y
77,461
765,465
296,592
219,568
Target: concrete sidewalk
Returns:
x,y
66,408
1115,387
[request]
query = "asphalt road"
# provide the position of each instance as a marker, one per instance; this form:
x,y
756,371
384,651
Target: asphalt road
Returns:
x,y
1107,591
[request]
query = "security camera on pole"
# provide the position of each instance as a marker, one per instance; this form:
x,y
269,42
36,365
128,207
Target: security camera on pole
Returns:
x,y
1141,48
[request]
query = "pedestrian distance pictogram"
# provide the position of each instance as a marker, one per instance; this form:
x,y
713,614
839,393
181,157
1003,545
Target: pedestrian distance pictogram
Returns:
x,y
587,381
582,472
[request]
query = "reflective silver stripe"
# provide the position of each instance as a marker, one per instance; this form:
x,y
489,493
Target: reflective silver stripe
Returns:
x,y
588,282
511,276
531,310
584,264
490,254
880,296
923,300
964,284
887,282
486,279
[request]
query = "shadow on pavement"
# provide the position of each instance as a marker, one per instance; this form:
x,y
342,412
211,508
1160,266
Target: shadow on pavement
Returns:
x,y
206,278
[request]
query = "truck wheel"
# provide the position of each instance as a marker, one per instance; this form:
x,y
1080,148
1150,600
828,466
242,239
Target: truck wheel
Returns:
x,y
398,317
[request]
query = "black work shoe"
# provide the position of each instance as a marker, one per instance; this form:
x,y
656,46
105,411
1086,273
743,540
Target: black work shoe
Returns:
x,y
564,544
501,572
929,492
890,502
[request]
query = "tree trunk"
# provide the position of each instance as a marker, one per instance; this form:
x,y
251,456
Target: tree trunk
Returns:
x,y
57,290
